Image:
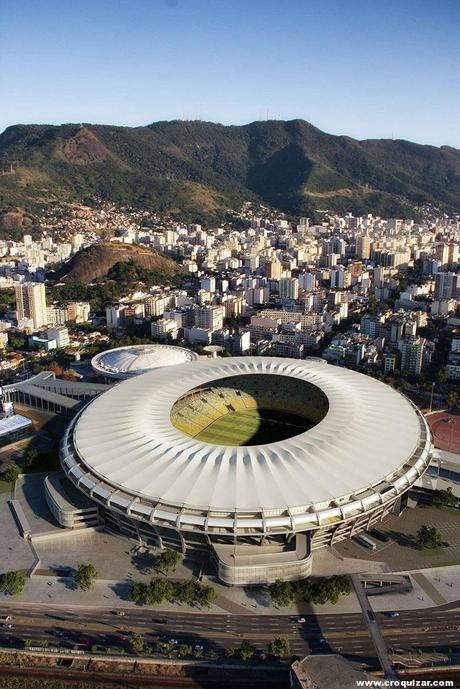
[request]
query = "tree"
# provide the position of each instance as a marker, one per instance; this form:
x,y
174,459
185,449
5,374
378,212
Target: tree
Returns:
x,y
139,592
281,593
30,457
158,591
452,400
428,537
279,647
12,583
207,596
445,497
11,474
188,592
194,593
184,650
166,647
137,643
442,374
246,650
85,576
323,590
167,561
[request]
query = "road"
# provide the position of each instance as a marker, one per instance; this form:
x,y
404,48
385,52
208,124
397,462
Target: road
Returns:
x,y
428,629
374,629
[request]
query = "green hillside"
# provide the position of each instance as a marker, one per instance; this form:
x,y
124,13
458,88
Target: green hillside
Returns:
x,y
197,169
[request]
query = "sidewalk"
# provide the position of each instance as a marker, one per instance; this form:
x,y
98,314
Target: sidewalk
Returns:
x,y
49,590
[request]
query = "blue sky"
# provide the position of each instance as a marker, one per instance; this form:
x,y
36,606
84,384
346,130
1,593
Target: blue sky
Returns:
x,y
367,68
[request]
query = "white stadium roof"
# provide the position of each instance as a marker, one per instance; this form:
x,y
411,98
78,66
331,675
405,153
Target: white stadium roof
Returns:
x,y
124,362
371,440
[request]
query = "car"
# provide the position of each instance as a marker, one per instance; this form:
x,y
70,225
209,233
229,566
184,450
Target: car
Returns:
x,y
322,641
160,620
58,632
120,613
301,620
393,614
5,618
7,626
120,637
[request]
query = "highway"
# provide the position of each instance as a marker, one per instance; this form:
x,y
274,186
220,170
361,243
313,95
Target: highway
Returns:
x,y
428,629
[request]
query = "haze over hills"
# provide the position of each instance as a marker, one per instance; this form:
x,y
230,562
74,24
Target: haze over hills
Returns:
x,y
196,170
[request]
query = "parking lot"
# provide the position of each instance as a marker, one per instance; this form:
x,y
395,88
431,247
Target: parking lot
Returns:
x,y
401,552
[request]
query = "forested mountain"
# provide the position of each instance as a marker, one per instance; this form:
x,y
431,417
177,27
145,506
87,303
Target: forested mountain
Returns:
x,y
197,169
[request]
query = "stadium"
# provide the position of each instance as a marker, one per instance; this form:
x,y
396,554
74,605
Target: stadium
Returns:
x,y
125,362
258,460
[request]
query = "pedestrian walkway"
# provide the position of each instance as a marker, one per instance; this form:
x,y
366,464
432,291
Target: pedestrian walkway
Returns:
x,y
429,589
230,606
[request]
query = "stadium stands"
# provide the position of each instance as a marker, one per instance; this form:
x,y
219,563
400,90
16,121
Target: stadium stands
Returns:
x,y
233,410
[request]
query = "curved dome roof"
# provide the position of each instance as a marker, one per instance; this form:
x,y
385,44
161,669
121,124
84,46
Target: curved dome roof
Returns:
x,y
369,440
124,362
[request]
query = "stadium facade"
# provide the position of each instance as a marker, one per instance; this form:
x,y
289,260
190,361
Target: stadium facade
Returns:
x,y
176,458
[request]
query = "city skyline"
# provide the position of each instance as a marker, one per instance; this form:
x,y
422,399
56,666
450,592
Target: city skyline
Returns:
x,y
359,69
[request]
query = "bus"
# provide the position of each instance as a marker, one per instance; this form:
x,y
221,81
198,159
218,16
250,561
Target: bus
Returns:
x,y
366,542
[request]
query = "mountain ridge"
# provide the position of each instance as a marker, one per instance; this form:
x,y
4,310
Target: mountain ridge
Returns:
x,y
196,170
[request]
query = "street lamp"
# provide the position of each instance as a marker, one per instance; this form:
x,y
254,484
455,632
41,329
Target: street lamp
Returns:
x,y
431,397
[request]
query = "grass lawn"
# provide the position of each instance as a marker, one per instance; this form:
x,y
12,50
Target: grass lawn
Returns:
x,y
5,487
232,429
253,427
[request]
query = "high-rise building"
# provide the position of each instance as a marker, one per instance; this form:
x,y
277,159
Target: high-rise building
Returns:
x,y
447,285
164,329
78,311
288,288
208,284
273,270
60,334
396,329
389,363
209,317
156,306
115,316
363,246
31,303
340,278
307,281
412,350
57,315
241,342
453,254
441,254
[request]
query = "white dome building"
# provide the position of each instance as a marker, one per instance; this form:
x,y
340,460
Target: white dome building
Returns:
x,y
125,362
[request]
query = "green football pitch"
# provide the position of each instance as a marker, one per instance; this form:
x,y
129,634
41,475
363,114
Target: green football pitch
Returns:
x,y
253,427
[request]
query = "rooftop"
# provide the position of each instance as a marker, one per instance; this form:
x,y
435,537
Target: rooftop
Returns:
x,y
125,362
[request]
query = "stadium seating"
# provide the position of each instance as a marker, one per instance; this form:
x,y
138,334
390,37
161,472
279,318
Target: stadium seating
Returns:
x,y
198,410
